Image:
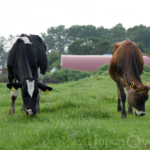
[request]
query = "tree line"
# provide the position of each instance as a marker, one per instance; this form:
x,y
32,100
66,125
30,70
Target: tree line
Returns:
x,y
88,39
83,40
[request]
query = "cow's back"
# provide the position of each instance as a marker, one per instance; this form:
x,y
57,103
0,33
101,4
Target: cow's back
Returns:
x,y
125,54
26,58
40,52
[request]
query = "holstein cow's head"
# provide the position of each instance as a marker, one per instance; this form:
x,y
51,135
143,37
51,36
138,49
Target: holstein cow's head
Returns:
x,y
30,89
137,96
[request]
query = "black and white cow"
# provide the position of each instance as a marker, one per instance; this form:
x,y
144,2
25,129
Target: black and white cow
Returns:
x,y
27,64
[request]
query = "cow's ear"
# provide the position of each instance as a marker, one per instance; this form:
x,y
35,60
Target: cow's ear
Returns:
x,y
14,86
44,88
134,87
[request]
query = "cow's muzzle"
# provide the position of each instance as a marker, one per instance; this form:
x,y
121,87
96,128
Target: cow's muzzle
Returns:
x,y
30,112
140,113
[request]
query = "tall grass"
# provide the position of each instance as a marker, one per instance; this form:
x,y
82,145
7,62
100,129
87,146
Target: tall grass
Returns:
x,y
77,115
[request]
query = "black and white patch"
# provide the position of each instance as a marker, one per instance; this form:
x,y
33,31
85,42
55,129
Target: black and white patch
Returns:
x,y
27,63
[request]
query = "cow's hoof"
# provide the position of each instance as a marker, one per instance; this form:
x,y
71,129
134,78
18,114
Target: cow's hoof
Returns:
x,y
124,116
38,111
119,108
11,111
129,112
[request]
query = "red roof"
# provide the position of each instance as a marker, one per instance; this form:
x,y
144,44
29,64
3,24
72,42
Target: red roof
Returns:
x,y
88,62
146,60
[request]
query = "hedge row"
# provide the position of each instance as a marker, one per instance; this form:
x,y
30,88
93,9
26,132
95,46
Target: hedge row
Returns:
x,y
66,75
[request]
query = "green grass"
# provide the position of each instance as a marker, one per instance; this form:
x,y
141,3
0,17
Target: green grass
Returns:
x,y
78,115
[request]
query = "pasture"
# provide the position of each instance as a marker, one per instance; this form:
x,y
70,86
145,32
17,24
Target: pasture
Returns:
x,y
78,115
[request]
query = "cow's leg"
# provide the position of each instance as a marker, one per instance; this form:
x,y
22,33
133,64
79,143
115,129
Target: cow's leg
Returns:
x,y
123,97
37,102
130,109
14,96
119,101
40,79
23,106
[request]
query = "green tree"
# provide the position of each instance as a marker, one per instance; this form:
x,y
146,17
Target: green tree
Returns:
x,y
75,48
53,60
3,53
103,33
117,33
49,41
88,31
81,32
140,34
94,47
74,32
99,47
55,38
141,47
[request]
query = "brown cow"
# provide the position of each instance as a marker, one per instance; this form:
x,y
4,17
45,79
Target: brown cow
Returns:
x,y
125,69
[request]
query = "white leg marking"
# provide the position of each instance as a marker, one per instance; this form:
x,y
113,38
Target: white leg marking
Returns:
x,y
14,94
39,93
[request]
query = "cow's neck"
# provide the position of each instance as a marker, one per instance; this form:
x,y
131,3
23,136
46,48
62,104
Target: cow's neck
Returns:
x,y
25,70
133,73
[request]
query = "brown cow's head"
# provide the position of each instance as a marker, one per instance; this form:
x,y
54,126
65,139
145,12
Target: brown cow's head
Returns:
x,y
137,96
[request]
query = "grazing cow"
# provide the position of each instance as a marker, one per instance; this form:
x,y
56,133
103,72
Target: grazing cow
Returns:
x,y
125,69
27,64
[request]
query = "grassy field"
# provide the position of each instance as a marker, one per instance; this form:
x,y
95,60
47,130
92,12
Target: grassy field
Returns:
x,y
77,115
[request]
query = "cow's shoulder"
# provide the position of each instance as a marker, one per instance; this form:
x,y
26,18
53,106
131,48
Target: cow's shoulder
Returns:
x,y
116,46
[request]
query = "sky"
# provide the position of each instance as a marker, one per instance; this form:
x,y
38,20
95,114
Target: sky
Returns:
x,y
36,16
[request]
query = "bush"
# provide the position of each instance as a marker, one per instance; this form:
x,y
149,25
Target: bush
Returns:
x,y
47,75
65,75
99,72
85,74
94,72
105,67
146,68
53,60
70,79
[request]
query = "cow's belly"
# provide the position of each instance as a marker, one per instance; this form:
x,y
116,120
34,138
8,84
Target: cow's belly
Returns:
x,y
113,72
114,75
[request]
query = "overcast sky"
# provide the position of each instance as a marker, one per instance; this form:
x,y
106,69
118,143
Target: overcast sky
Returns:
x,y
36,16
